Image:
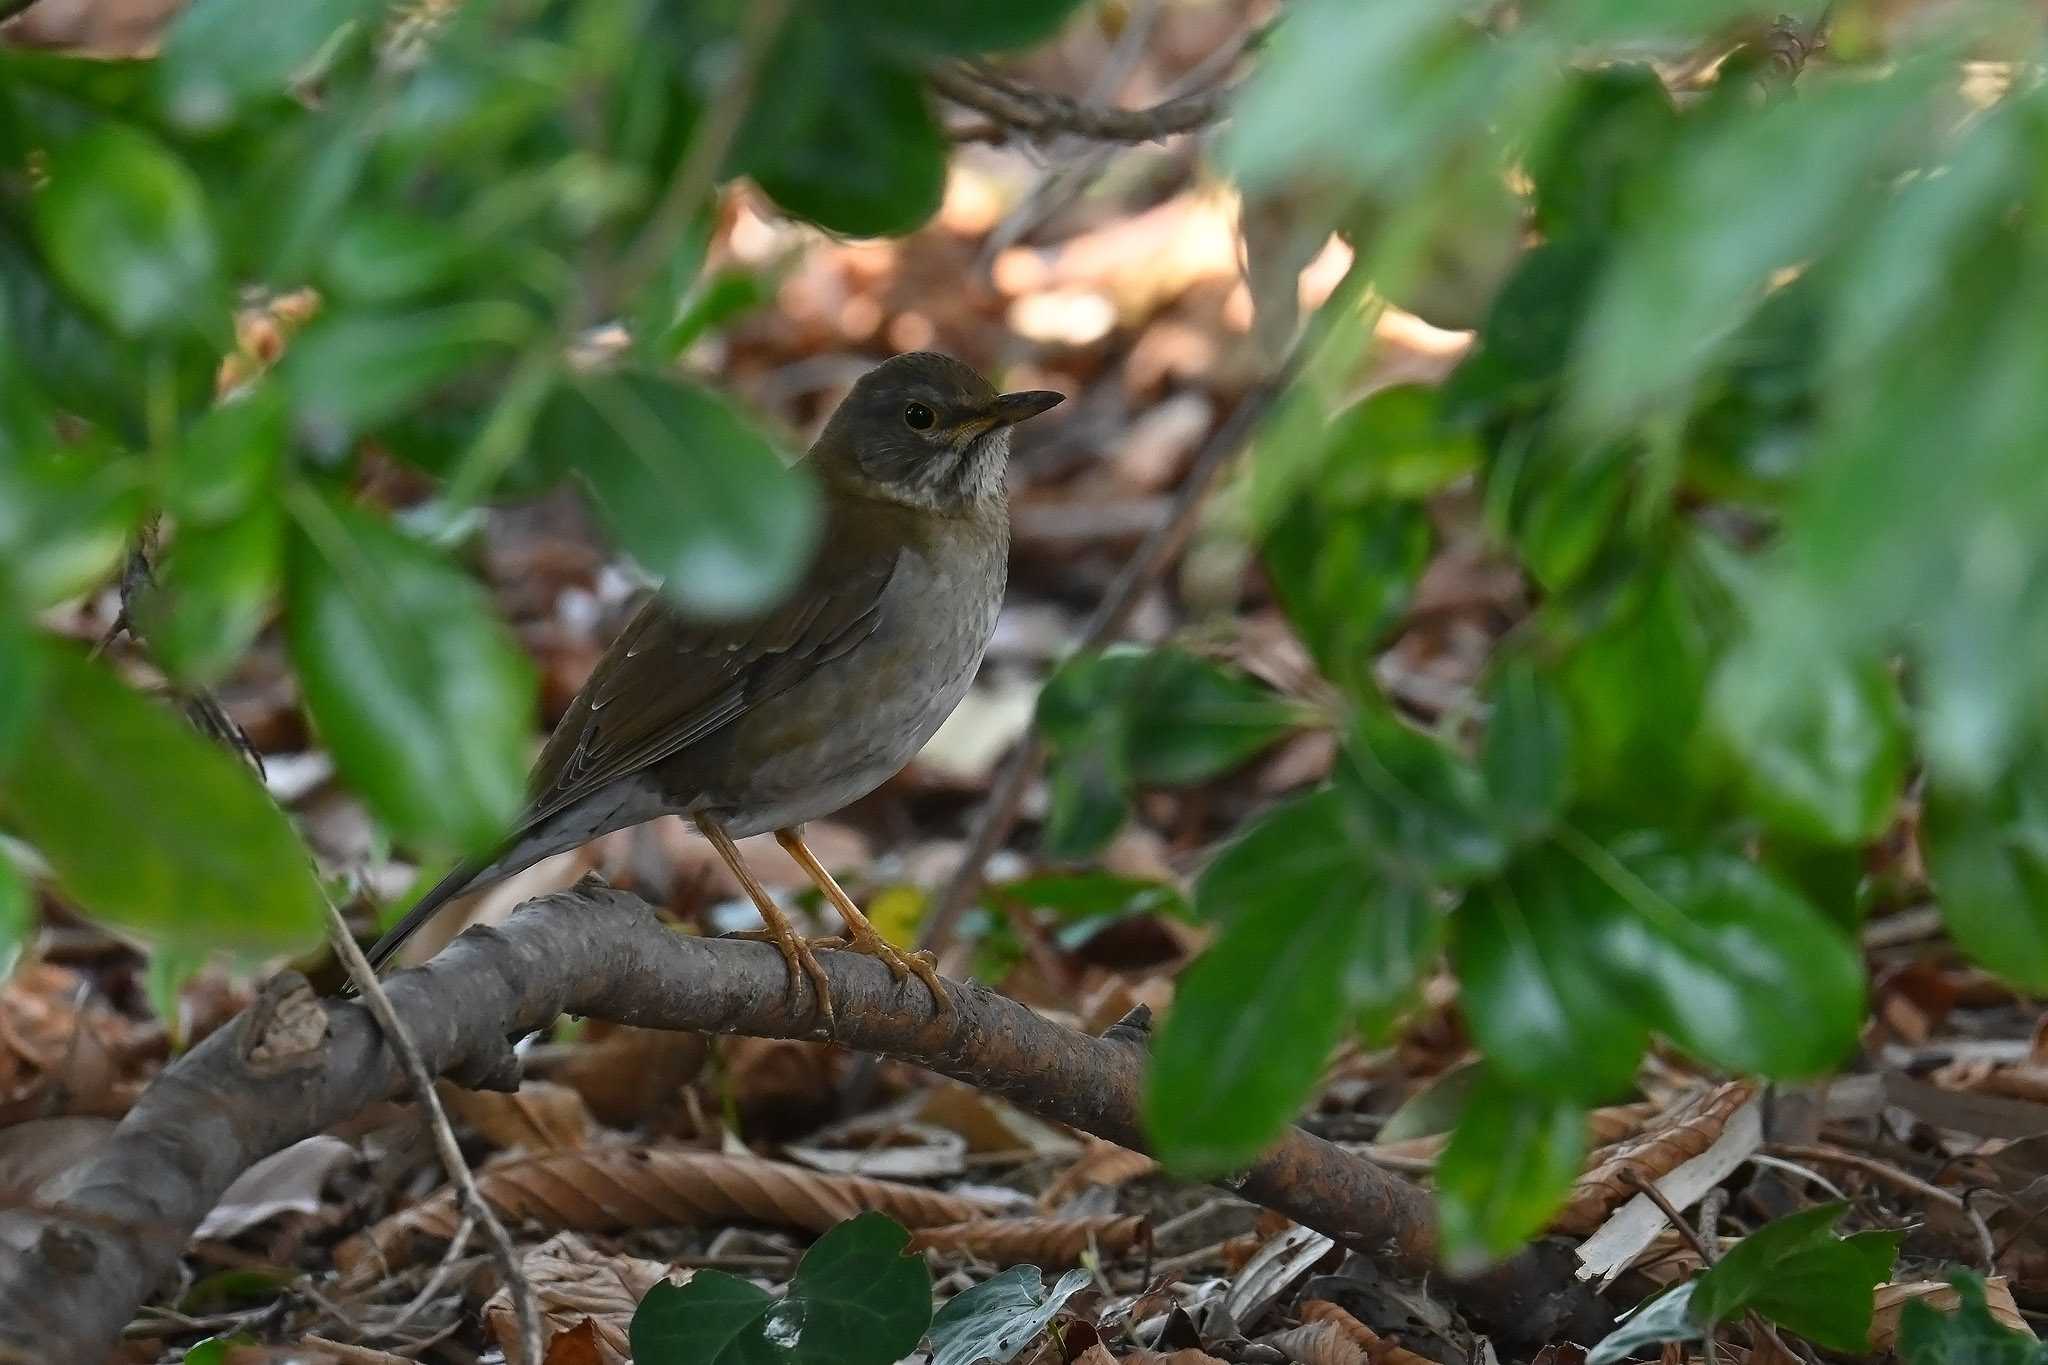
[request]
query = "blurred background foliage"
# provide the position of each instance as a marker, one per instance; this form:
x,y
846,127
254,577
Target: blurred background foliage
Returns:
x,y
1754,407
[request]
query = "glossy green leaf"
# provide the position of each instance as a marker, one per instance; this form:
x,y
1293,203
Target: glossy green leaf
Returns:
x,y
1797,1273
351,370
215,593
1526,760
998,1318
942,27
1345,576
1312,937
227,458
125,225
1989,859
688,486
1426,808
1085,802
1822,739
150,827
1508,1168
221,55
1668,1317
416,687
1187,720
17,914
1968,1336
856,1299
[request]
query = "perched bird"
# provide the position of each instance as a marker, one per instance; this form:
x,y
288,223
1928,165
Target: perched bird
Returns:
x,y
765,723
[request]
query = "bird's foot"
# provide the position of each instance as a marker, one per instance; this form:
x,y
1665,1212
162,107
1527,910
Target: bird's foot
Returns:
x,y
802,962
863,939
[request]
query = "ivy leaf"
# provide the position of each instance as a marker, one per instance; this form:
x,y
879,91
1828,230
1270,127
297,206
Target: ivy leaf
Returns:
x,y
1968,1336
1312,936
1797,1273
420,692
151,828
1188,720
856,1299
124,224
1510,1163
1989,859
222,54
999,1317
688,487
1668,1317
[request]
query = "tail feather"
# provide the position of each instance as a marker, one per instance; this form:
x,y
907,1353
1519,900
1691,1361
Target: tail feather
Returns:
x,y
462,879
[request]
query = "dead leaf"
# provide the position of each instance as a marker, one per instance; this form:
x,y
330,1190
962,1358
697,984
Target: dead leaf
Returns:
x,y
1046,1241
1317,1343
1688,1129
284,1182
586,1299
1378,1349
604,1189
990,1123
1287,1256
886,1149
629,1075
539,1116
1102,1163
1892,1299
32,1152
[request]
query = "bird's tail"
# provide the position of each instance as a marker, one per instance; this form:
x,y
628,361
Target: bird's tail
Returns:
x,y
463,878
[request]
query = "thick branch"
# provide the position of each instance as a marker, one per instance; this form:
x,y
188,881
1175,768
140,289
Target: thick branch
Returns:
x,y
1046,113
71,1277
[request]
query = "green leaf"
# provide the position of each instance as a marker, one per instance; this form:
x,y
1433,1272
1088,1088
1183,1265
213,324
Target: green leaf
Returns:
x,y
1084,895
21,684
1426,808
65,515
1188,720
1345,576
351,370
688,487
856,1299
1968,1336
1822,739
419,691
845,136
1085,803
945,27
1989,859
17,914
1507,1170
216,594
1606,140
1001,1316
1434,1108
1668,1317
125,226
1527,756
227,458
1311,938
1797,1273
151,828
221,55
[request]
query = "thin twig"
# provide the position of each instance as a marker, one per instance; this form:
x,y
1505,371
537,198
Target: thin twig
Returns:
x,y
1869,1165
475,1206
1016,110
449,1258
1677,1219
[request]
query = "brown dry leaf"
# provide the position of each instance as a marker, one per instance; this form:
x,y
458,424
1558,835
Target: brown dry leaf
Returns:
x,y
1048,1241
1378,1349
1186,1355
539,1116
1688,1129
32,1152
1891,1301
586,1299
603,1189
1098,1354
990,1123
342,1353
628,1075
1102,1162
62,1050
1317,1343
778,1083
287,1181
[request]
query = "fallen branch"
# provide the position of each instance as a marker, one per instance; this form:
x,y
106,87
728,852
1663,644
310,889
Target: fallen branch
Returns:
x,y
107,1234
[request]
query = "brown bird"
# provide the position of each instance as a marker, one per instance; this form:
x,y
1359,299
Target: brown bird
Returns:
x,y
765,723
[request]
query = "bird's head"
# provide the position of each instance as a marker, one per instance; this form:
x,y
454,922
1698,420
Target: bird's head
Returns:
x,y
924,430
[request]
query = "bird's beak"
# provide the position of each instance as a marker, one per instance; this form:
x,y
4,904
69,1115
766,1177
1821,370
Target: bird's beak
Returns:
x,y
1010,408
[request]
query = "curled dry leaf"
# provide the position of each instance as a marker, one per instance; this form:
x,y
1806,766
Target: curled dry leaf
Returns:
x,y
1377,1348
1285,1258
1101,1162
1317,1343
1040,1241
604,1189
1892,1299
1187,1355
1686,1130
630,1075
289,1181
539,1116
887,1150
586,1299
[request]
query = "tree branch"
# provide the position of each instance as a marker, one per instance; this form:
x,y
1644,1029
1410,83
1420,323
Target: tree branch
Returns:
x,y
100,1238
1017,111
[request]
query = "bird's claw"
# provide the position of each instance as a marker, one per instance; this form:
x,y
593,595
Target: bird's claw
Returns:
x,y
802,962
919,963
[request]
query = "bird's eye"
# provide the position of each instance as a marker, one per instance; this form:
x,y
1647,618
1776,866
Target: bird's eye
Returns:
x,y
918,417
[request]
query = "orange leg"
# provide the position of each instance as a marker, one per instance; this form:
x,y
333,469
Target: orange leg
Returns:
x,y
802,961
860,934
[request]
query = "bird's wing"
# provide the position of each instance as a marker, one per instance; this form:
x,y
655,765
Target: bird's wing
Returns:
x,y
666,683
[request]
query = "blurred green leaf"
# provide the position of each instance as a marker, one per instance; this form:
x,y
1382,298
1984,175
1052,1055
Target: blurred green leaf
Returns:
x,y
1311,939
856,1299
125,224
1435,1107
1606,138
387,256
1668,1317
1088,894
1988,856
1188,720
1797,1273
1509,1165
65,515
17,914
21,682
940,26
220,55
417,688
1001,1316
227,458
349,370
215,594
687,486
1968,1336
1526,760
1085,803
1426,808
151,828
1345,575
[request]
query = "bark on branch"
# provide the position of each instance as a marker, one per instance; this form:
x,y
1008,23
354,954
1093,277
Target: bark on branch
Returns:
x,y
1019,111
100,1238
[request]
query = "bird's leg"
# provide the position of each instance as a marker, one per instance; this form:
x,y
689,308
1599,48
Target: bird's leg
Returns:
x,y
860,934
802,961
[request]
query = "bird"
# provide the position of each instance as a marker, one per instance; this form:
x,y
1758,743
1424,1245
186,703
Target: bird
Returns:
x,y
764,723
